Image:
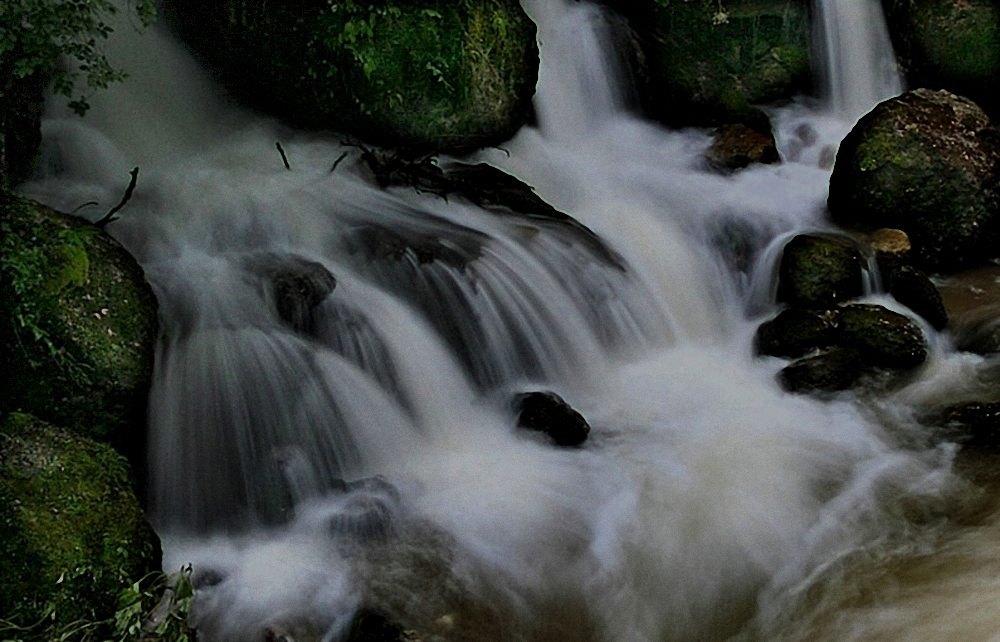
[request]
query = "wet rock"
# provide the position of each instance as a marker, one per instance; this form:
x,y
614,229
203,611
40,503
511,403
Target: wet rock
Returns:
x,y
978,332
891,248
79,325
547,412
298,286
979,421
72,534
795,332
368,626
737,146
884,338
928,163
818,272
440,75
914,289
949,44
709,62
830,370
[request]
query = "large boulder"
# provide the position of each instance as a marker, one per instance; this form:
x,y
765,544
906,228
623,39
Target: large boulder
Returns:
x,y
949,44
78,325
928,163
72,534
818,272
708,62
446,75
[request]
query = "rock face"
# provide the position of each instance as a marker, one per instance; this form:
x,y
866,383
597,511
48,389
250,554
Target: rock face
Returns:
x,y
548,413
737,146
708,62
72,534
928,163
437,74
949,44
818,272
79,325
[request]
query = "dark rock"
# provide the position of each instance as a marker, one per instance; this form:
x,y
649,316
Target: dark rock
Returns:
x,y
818,272
737,146
949,44
709,62
79,326
891,248
72,534
884,338
927,163
795,332
548,413
298,287
979,333
21,111
431,74
914,289
369,626
831,370
980,421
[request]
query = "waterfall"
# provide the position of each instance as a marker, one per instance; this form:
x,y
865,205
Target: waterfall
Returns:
x,y
858,64
367,456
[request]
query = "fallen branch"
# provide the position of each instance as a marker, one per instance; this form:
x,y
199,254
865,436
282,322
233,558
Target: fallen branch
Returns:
x,y
337,162
284,159
128,194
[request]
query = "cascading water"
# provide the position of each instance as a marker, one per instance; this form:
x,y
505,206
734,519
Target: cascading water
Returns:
x,y
369,458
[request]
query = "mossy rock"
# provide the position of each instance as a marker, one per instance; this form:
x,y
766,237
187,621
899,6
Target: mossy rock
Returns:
x,y
884,338
449,75
928,163
79,325
949,44
72,534
829,370
818,272
708,63
795,332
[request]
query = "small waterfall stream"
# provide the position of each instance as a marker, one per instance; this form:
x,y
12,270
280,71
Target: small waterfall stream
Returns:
x,y
371,460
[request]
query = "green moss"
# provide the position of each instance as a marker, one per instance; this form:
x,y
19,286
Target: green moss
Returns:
x,y
448,75
71,530
79,323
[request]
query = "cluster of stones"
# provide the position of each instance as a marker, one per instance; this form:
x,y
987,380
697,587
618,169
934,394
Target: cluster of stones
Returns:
x,y
835,340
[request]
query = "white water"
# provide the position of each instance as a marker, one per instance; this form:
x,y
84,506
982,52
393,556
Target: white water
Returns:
x,y
707,503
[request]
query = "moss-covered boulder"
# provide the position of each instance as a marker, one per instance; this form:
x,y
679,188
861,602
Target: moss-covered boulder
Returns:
x,y
928,163
818,272
78,325
829,370
949,44
708,62
884,338
449,75
72,534
795,332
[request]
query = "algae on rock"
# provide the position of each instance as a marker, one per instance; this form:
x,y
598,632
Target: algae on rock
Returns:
x,y
72,534
447,76
79,325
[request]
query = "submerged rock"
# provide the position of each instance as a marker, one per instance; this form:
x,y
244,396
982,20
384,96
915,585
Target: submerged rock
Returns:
x,y
818,272
547,412
79,325
829,370
949,44
928,163
795,332
914,289
434,74
72,534
979,333
709,62
884,338
297,286
737,146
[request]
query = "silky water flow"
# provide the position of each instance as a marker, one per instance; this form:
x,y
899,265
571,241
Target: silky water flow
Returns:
x,y
368,459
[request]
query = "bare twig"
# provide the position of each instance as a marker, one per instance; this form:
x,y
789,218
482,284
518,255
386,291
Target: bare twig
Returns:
x,y
337,162
87,204
128,194
284,159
